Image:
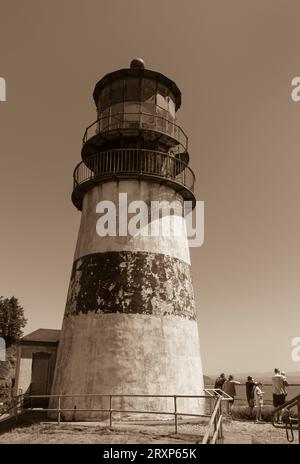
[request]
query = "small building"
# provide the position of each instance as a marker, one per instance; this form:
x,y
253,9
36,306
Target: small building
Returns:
x,y
36,357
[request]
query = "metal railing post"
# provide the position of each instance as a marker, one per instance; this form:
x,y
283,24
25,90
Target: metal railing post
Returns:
x,y
298,411
110,411
175,413
58,411
221,423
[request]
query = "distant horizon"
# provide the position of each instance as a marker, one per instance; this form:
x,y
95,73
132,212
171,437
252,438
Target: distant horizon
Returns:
x,y
239,374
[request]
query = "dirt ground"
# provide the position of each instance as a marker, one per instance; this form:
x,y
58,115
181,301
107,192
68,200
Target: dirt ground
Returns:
x,y
134,432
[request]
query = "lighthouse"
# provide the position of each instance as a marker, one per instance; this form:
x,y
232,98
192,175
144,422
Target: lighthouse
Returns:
x,y
130,326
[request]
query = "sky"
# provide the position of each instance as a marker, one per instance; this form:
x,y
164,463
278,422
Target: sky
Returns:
x,y
233,61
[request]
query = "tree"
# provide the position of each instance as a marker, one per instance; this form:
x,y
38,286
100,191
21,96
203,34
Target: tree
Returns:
x,y
12,320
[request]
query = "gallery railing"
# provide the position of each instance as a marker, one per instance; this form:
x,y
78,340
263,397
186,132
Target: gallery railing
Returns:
x,y
139,120
134,161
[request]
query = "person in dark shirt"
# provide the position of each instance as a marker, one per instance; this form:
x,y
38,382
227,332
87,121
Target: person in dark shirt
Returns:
x,y
250,384
220,381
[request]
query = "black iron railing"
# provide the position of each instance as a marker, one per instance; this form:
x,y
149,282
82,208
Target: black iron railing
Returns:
x,y
146,121
131,162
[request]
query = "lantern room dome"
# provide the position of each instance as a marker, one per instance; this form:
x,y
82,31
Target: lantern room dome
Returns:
x,y
137,63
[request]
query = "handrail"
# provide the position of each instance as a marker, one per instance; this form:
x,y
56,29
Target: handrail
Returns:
x,y
215,423
121,120
218,392
288,405
18,401
124,162
110,410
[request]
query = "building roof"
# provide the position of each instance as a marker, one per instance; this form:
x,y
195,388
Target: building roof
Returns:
x,y
42,336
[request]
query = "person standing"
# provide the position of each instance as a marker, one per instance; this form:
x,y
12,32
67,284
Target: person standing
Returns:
x,y
250,384
278,385
258,400
229,388
220,382
285,383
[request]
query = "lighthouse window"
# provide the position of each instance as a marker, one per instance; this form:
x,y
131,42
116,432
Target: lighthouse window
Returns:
x,y
172,107
162,119
148,91
104,98
117,91
148,114
104,120
132,112
148,108
116,115
132,89
163,97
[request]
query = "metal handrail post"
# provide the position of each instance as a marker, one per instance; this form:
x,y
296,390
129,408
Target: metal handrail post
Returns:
x,y
58,410
221,424
298,412
175,413
110,411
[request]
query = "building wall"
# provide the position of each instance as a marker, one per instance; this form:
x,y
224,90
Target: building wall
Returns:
x,y
24,364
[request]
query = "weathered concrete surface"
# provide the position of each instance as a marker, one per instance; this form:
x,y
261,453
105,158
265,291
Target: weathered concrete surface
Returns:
x,y
128,354
90,242
131,282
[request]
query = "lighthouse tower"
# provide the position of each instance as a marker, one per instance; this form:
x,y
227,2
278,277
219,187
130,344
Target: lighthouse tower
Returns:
x,y
130,324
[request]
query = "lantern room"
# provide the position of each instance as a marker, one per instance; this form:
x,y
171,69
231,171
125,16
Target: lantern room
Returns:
x,y
136,106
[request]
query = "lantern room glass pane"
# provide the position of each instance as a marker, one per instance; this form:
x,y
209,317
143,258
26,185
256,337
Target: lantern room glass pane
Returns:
x,y
116,115
172,107
117,91
118,108
163,97
132,89
148,115
162,116
132,107
132,114
148,108
104,120
104,100
148,91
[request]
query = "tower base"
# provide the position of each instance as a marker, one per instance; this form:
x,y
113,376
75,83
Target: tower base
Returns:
x,y
127,354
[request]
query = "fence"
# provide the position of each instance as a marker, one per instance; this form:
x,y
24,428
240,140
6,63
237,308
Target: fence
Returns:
x,y
213,432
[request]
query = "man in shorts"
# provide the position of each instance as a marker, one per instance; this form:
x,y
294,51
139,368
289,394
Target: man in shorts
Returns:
x,y
250,385
278,383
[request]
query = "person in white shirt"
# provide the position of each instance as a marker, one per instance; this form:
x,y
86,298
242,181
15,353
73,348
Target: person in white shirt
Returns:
x,y
258,400
279,390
